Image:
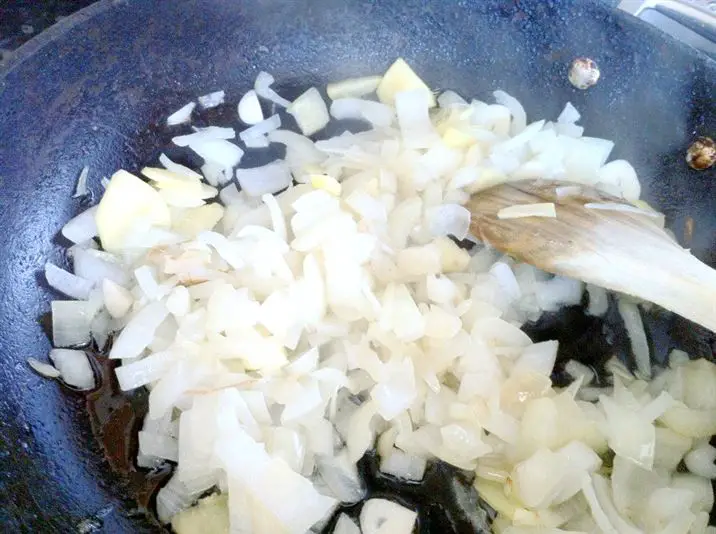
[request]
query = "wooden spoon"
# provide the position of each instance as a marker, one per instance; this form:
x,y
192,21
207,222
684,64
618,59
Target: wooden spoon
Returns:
x,y
625,251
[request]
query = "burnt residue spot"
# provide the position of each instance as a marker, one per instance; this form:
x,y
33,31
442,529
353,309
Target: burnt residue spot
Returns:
x,y
116,418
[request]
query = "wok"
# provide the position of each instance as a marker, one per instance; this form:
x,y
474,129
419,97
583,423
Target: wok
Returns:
x,y
96,88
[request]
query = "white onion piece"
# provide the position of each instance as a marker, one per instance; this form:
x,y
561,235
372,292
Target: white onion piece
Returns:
x,y
279,309
411,108
598,301
117,299
538,358
379,115
449,99
139,331
42,368
345,525
211,100
700,461
622,175
380,516
82,227
158,445
353,87
400,77
310,112
172,498
262,86
177,168
230,195
448,219
249,108
219,151
81,189
260,129
519,117
259,141
630,435
142,372
96,266
215,174
631,316
67,283
579,371
182,115
74,367
546,209
71,322
271,483
341,477
210,133
269,179
569,114
147,282
402,465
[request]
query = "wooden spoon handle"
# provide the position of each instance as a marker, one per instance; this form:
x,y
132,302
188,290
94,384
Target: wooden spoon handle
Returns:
x,y
622,251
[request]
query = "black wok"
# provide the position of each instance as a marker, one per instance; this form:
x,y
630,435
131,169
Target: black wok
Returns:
x,y
95,89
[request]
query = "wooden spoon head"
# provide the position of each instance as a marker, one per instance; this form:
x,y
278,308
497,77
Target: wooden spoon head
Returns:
x,y
546,241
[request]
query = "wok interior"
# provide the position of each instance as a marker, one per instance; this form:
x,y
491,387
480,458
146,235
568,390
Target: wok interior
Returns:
x,y
96,92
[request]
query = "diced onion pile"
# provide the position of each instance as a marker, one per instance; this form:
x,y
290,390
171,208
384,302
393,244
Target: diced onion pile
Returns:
x,y
325,309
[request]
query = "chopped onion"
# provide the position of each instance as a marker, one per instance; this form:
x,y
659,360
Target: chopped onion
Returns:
x,y
569,114
545,209
259,141
310,112
380,516
262,86
260,129
700,461
82,227
353,87
74,368
402,465
204,134
219,151
449,219
345,525
284,332
139,331
182,115
631,316
140,373
81,189
211,100
449,99
519,117
158,445
579,371
43,369
67,283
401,78
71,322
249,108
417,130
269,179
598,301
177,168
379,115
